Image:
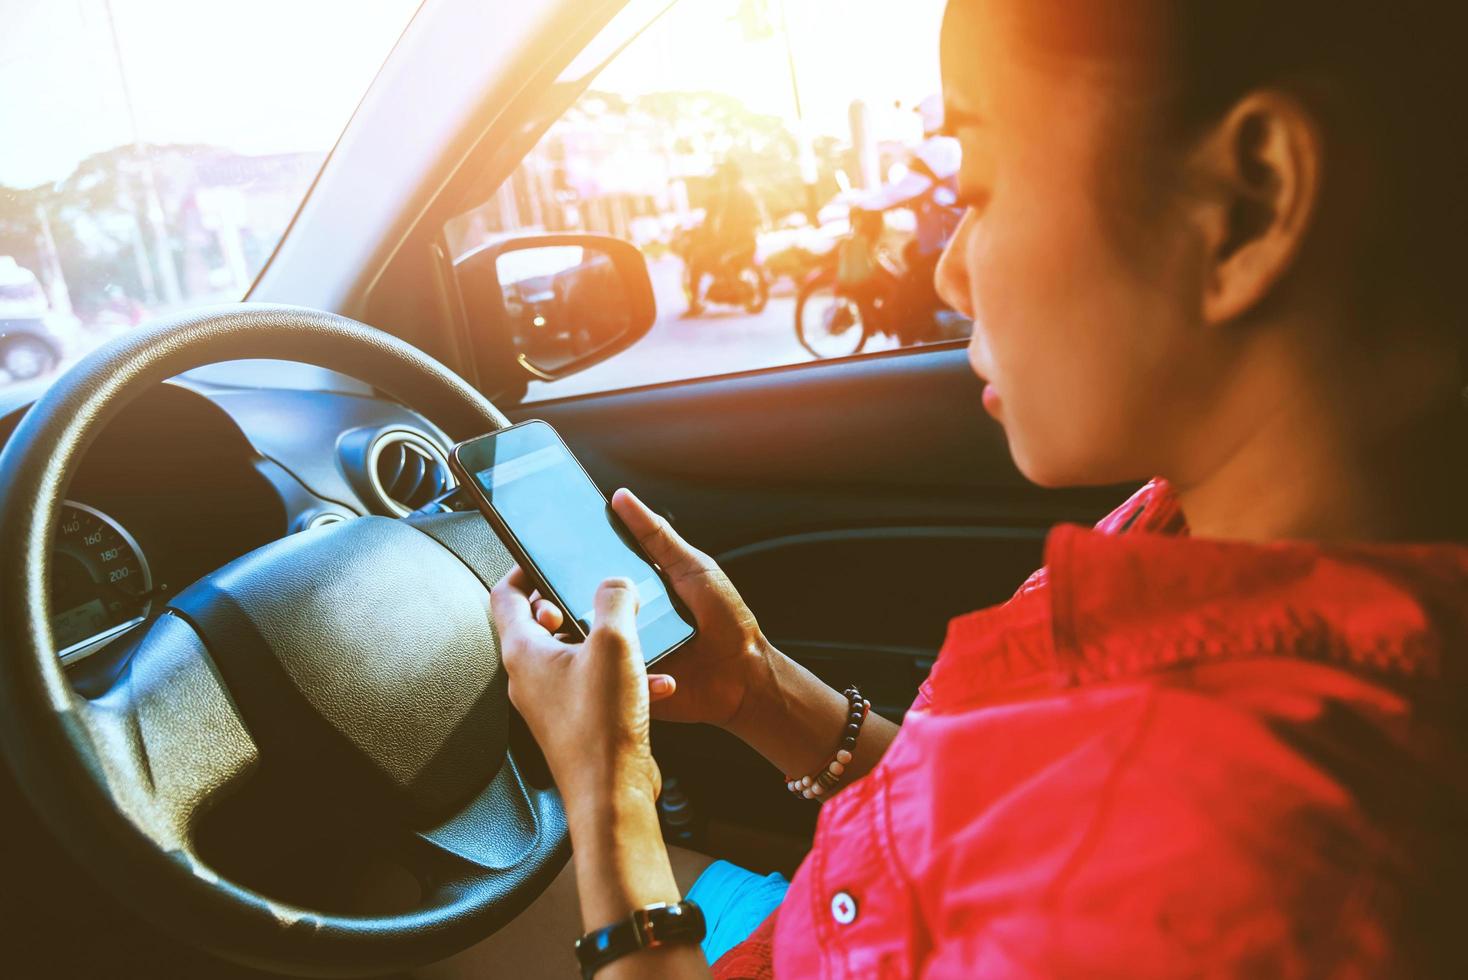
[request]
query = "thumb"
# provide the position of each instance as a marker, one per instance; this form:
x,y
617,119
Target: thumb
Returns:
x,y
616,607
656,536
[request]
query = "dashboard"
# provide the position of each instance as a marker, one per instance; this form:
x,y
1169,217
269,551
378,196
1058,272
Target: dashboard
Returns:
x,y
190,476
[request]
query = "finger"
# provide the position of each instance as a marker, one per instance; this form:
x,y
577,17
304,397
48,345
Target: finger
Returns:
x,y
655,535
547,614
542,610
660,687
615,608
518,578
510,591
510,607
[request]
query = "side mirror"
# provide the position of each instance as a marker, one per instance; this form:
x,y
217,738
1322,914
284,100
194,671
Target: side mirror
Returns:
x,y
560,303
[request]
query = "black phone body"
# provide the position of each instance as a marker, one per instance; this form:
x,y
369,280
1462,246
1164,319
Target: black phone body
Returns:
x,y
561,529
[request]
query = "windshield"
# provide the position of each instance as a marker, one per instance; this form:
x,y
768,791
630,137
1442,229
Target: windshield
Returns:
x,y
154,151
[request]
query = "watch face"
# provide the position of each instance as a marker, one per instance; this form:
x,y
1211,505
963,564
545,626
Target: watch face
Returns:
x,y
646,928
664,924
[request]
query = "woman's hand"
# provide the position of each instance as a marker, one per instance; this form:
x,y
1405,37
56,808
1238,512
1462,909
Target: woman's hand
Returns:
x,y
585,703
708,679
729,675
587,706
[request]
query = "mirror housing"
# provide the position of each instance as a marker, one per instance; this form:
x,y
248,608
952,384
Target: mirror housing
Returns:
x,y
556,304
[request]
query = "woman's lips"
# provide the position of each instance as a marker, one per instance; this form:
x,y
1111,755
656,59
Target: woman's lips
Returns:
x,y
991,400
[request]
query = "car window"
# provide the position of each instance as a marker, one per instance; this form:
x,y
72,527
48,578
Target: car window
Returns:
x,y
156,150
781,168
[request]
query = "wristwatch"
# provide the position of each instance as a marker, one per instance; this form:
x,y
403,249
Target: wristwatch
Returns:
x,y
663,924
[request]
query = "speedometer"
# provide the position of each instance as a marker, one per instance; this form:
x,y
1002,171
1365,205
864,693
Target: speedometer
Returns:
x,y
100,582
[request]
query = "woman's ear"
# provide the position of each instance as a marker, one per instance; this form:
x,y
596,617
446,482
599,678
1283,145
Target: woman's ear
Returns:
x,y
1263,164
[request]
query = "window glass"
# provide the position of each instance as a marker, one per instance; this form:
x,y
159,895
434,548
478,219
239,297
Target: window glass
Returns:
x,y
155,151
778,163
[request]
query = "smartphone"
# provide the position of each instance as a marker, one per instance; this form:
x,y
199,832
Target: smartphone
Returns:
x,y
563,532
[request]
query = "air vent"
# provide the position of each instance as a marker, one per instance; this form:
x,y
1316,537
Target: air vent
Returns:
x,y
406,470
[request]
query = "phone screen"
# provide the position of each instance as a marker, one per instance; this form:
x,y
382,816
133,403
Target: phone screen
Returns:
x,y
567,530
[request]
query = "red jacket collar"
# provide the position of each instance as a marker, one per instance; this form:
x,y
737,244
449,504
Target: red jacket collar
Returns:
x,y
1119,605
1129,603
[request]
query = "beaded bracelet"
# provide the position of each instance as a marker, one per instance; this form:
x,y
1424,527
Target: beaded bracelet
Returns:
x,y
829,776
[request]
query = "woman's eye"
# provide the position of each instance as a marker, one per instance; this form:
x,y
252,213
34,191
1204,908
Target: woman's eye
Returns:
x,y
978,167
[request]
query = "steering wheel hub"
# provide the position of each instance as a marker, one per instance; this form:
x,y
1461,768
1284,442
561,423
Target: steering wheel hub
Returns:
x,y
364,652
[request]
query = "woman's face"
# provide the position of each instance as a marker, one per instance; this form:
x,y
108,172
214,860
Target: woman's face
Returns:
x,y
1084,285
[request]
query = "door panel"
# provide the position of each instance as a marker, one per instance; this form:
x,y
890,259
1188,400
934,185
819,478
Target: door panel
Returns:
x,y
858,505
879,587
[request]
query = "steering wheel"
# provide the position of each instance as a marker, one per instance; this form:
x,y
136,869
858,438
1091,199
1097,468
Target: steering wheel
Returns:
x,y
359,657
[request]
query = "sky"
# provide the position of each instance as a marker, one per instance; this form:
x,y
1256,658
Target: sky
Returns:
x,y
880,51
265,76
261,76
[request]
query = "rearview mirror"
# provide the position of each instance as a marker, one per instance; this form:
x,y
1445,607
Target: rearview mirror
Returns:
x,y
563,302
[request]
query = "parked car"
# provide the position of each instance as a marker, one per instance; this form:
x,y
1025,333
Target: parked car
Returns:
x,y
28,347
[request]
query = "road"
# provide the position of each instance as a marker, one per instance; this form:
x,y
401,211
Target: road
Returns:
x,y
720,341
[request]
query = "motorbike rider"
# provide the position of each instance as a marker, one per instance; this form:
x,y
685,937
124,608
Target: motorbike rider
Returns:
x,y
929,190
728,235
860,271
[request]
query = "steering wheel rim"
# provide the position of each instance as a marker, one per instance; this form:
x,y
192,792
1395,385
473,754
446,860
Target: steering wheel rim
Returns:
x,y
91,767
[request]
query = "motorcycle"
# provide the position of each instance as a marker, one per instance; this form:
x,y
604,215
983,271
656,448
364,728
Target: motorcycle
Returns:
x,y
867,288
738,278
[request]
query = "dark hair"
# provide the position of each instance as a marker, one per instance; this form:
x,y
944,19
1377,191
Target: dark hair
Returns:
x,y
1387,84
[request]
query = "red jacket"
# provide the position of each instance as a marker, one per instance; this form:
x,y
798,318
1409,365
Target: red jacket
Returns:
x,y
1164,757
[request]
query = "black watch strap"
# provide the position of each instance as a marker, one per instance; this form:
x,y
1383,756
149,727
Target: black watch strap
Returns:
x,y
679,924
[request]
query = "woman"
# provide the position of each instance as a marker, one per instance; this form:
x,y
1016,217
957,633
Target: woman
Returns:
x,y
1213,243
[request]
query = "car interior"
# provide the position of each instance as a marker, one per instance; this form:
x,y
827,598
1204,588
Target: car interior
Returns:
x,y
289,751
